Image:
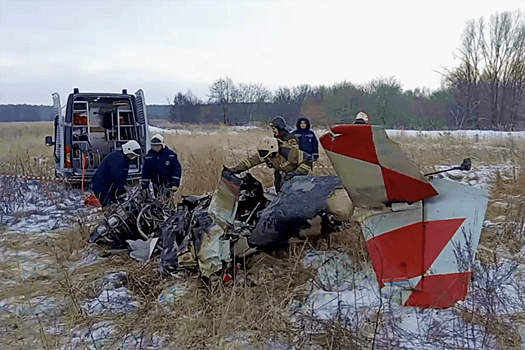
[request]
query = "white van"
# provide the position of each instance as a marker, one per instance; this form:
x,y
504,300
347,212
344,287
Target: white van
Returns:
x,y
93,126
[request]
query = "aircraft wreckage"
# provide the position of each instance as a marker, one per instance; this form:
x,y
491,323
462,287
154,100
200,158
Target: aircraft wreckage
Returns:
x,y
421,231
210,232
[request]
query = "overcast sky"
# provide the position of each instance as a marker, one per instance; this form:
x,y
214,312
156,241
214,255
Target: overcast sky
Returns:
x,y
165,47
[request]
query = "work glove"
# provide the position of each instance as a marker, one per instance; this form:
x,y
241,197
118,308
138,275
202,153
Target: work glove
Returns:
x,y
174,189
231,171
290,175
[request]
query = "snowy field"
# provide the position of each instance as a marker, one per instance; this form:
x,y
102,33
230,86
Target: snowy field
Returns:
x,y
473,134
32,212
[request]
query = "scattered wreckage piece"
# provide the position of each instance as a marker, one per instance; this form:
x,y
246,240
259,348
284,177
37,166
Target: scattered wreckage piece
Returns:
x,y
209,233
373,169
422,234
427,247
139,217
303,199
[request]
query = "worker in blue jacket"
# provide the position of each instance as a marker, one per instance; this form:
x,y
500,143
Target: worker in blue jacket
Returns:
x,y
162,169
307,141
110,177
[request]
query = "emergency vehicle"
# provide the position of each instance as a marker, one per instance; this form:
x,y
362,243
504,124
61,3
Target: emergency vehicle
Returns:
x,y
93,126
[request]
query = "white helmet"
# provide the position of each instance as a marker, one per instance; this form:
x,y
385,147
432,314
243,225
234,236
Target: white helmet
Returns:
x,y
362,115
157,139
131,147
267,146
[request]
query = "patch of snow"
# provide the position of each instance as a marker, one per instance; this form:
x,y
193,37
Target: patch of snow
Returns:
x,y
170,294
155,130
117,301
435,134
479,176
334,271
115,280
139,342
470,134
279,346
55,330
355,298
40,305
88,258
229,130
39,207
487,223
93,337
26,263
497,289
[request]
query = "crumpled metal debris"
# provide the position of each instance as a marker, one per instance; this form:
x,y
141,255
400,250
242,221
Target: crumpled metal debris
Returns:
x,y
208,232
302,198
142,250
139,217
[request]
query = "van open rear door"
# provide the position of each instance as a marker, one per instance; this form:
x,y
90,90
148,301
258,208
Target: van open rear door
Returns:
x,y
59,134
142,116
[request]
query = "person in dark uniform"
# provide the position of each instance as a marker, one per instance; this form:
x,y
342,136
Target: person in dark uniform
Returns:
x,y
307,139
110,177
280,156
162,169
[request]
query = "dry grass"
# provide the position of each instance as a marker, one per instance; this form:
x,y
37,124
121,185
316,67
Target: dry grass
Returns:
x,y
202,156
351,239
22,148
507,209
207,316
22,136
428,152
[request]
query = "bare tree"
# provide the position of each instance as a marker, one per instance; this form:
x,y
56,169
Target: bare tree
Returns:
x,y
490,79
283,95
223,92
386,92
253,93
301,92
185,107
250,95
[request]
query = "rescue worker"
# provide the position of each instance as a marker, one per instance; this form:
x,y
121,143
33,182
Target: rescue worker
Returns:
x,y
361,118
161,168
110,177
280,131
307,139
279,155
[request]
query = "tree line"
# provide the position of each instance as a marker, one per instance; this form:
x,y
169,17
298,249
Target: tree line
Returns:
x,y
485,91
25,113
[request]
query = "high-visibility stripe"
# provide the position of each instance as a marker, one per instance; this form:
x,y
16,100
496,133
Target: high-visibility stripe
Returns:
x,y
247,163
300,158
304,167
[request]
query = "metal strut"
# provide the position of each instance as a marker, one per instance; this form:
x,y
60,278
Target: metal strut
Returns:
x,y
466,166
